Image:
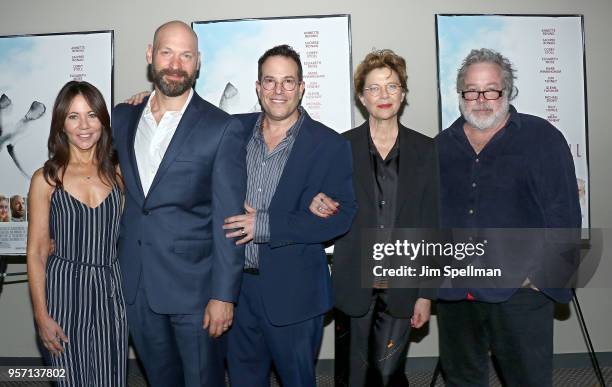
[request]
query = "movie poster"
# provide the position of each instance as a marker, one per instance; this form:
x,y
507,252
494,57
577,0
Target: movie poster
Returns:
x,y
34,68
230,50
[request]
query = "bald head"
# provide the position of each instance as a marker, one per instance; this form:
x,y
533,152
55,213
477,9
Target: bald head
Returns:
x,y
175,28
174,59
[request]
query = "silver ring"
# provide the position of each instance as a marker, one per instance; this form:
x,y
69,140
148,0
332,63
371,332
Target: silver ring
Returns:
x,y
242,232
320,209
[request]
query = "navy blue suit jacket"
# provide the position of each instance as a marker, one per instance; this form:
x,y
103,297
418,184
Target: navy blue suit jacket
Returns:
x,y
295,278
172,240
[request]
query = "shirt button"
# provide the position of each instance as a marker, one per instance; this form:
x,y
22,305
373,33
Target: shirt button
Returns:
x,y
471,211
477,160
473,184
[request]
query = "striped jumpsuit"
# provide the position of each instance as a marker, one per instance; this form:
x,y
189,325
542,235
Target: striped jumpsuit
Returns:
x,y
83,290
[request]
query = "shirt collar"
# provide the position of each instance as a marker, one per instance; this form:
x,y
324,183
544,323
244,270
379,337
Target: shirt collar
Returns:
x,y
515,118
394,149
177,113
292,130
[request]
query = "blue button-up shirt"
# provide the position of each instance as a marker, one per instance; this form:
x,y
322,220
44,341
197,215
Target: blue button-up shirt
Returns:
x,y
264,170
523,178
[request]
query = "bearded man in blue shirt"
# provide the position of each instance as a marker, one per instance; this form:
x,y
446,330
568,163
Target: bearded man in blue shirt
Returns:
x,y
501,169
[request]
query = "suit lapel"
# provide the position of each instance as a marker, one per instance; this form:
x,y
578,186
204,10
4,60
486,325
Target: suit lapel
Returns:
x,y
193,114
303,146
362,159
133,168
409,160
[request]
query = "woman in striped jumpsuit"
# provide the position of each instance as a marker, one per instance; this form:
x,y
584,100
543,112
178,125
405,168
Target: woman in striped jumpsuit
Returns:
x,y
75,203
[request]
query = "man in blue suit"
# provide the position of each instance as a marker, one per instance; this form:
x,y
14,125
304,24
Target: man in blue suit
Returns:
x,y
183,162
286,288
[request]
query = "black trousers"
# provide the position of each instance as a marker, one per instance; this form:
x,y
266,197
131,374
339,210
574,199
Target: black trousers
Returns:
x,y
372,351
518,332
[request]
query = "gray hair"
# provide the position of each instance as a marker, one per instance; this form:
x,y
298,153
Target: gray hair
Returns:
x,y
485,55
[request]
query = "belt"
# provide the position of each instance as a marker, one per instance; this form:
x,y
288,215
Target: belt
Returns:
x,y
110,284
251,270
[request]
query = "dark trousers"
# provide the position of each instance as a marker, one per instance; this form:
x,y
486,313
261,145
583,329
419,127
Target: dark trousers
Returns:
x,y
377,346
254,344
174,348
518,332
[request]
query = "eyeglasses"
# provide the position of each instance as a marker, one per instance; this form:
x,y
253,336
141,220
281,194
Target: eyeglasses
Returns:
x,y
489,95
374,90
269,83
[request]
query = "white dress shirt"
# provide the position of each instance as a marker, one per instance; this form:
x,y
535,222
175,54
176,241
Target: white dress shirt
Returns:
x,y
152,140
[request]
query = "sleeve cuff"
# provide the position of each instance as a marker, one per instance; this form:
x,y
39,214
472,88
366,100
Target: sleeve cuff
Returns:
x,y
261,234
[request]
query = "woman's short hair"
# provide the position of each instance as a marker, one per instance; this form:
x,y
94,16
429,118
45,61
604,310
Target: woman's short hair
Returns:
x,y
380,59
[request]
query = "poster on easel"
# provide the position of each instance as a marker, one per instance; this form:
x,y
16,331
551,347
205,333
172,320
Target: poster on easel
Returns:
x,y
548,53
34,69
230,50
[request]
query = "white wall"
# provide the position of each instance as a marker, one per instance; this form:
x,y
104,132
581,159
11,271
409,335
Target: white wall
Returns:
x,y
406,26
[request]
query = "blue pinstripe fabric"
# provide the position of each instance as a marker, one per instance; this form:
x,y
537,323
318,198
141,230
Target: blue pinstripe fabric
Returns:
x,y
83,288
264,170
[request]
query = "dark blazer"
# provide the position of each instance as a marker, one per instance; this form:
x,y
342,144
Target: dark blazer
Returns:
x,y
295,279
172,240
417,207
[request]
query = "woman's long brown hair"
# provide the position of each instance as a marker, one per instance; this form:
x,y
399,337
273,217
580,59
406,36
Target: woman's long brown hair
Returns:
x,y
59,148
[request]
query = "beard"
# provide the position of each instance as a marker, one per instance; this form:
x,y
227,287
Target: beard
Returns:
x,y
489,121
171,88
